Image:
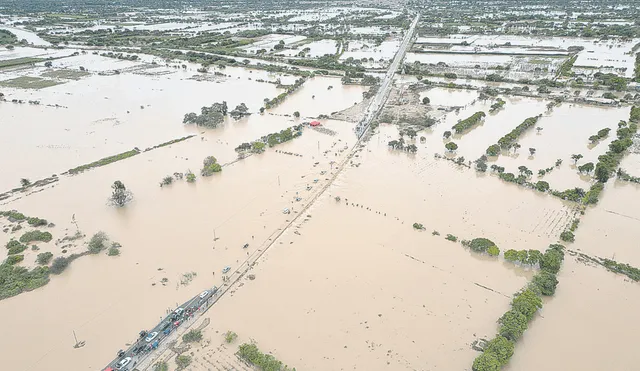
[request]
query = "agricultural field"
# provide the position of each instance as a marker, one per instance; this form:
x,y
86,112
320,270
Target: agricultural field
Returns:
x,y
334,186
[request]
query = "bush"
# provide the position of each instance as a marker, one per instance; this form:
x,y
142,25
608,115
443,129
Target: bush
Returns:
x,y
192,336
210,166
469,122
230,336
542,186
161,366
183,361
481,245
44,258
37,222
113,251
567,236
493,251
545,283
35,236
512,325
59,264
16,248
451,238
191,177
15,280
253,355
13,215
418,226
97,243
14,259
166,180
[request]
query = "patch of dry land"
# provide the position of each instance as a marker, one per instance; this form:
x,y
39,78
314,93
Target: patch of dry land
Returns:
x,y
473,227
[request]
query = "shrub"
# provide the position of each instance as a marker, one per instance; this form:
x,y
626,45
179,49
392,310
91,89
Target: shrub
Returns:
x,y
161,366
469,122
97,243
493,251
210,166
166,180
113,251
35,236
13,215
14,259
183,361
44,258
542,186
253,355
59,264
37,222
191,177
509,139
435,233
451,238
567,236
230,336
451,146
512,325
418,226
16,248
481,245
12,244
192,336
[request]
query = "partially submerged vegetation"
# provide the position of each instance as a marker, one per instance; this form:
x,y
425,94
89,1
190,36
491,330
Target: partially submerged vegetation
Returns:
x,y
104,161
524,305
253,355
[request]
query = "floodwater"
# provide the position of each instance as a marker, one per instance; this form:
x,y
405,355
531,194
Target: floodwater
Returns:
x,y
85,131
350,284
23,34
587,325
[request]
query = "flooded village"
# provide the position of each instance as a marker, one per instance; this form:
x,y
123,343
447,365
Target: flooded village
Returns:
x,y
306,185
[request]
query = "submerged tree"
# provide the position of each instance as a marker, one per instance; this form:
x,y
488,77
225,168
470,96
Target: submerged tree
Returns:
x,y
451,146
120,194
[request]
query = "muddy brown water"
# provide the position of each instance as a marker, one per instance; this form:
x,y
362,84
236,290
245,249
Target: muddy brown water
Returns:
x,y
352,288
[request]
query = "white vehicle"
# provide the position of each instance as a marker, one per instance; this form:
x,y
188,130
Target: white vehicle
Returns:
x,y
178,312
204,294
123,363
151,336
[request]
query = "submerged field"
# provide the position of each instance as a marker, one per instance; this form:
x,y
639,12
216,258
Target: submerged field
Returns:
x,y
349,253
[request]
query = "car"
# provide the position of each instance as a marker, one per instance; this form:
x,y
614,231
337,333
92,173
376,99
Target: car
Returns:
x,y
151,336
204,294
226,269
178,312
123,363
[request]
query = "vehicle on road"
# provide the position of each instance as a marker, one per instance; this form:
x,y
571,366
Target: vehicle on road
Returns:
x,y
204,294
151,336
178,312
226,269
123,363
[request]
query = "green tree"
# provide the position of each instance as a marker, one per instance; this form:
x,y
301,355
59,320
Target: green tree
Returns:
x,y
486,362
542,186
511,255
451,146
552,259
527,303
501,347
24,182
161,366
44,258
576,158
59,264
120,194
192,336
493,251
586,168
97,243
446,134
545,282
493,150
426,100
183,361
567,236
512,325
296,114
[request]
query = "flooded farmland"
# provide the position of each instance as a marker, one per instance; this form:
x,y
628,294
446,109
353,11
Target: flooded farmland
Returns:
x,y
323,187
